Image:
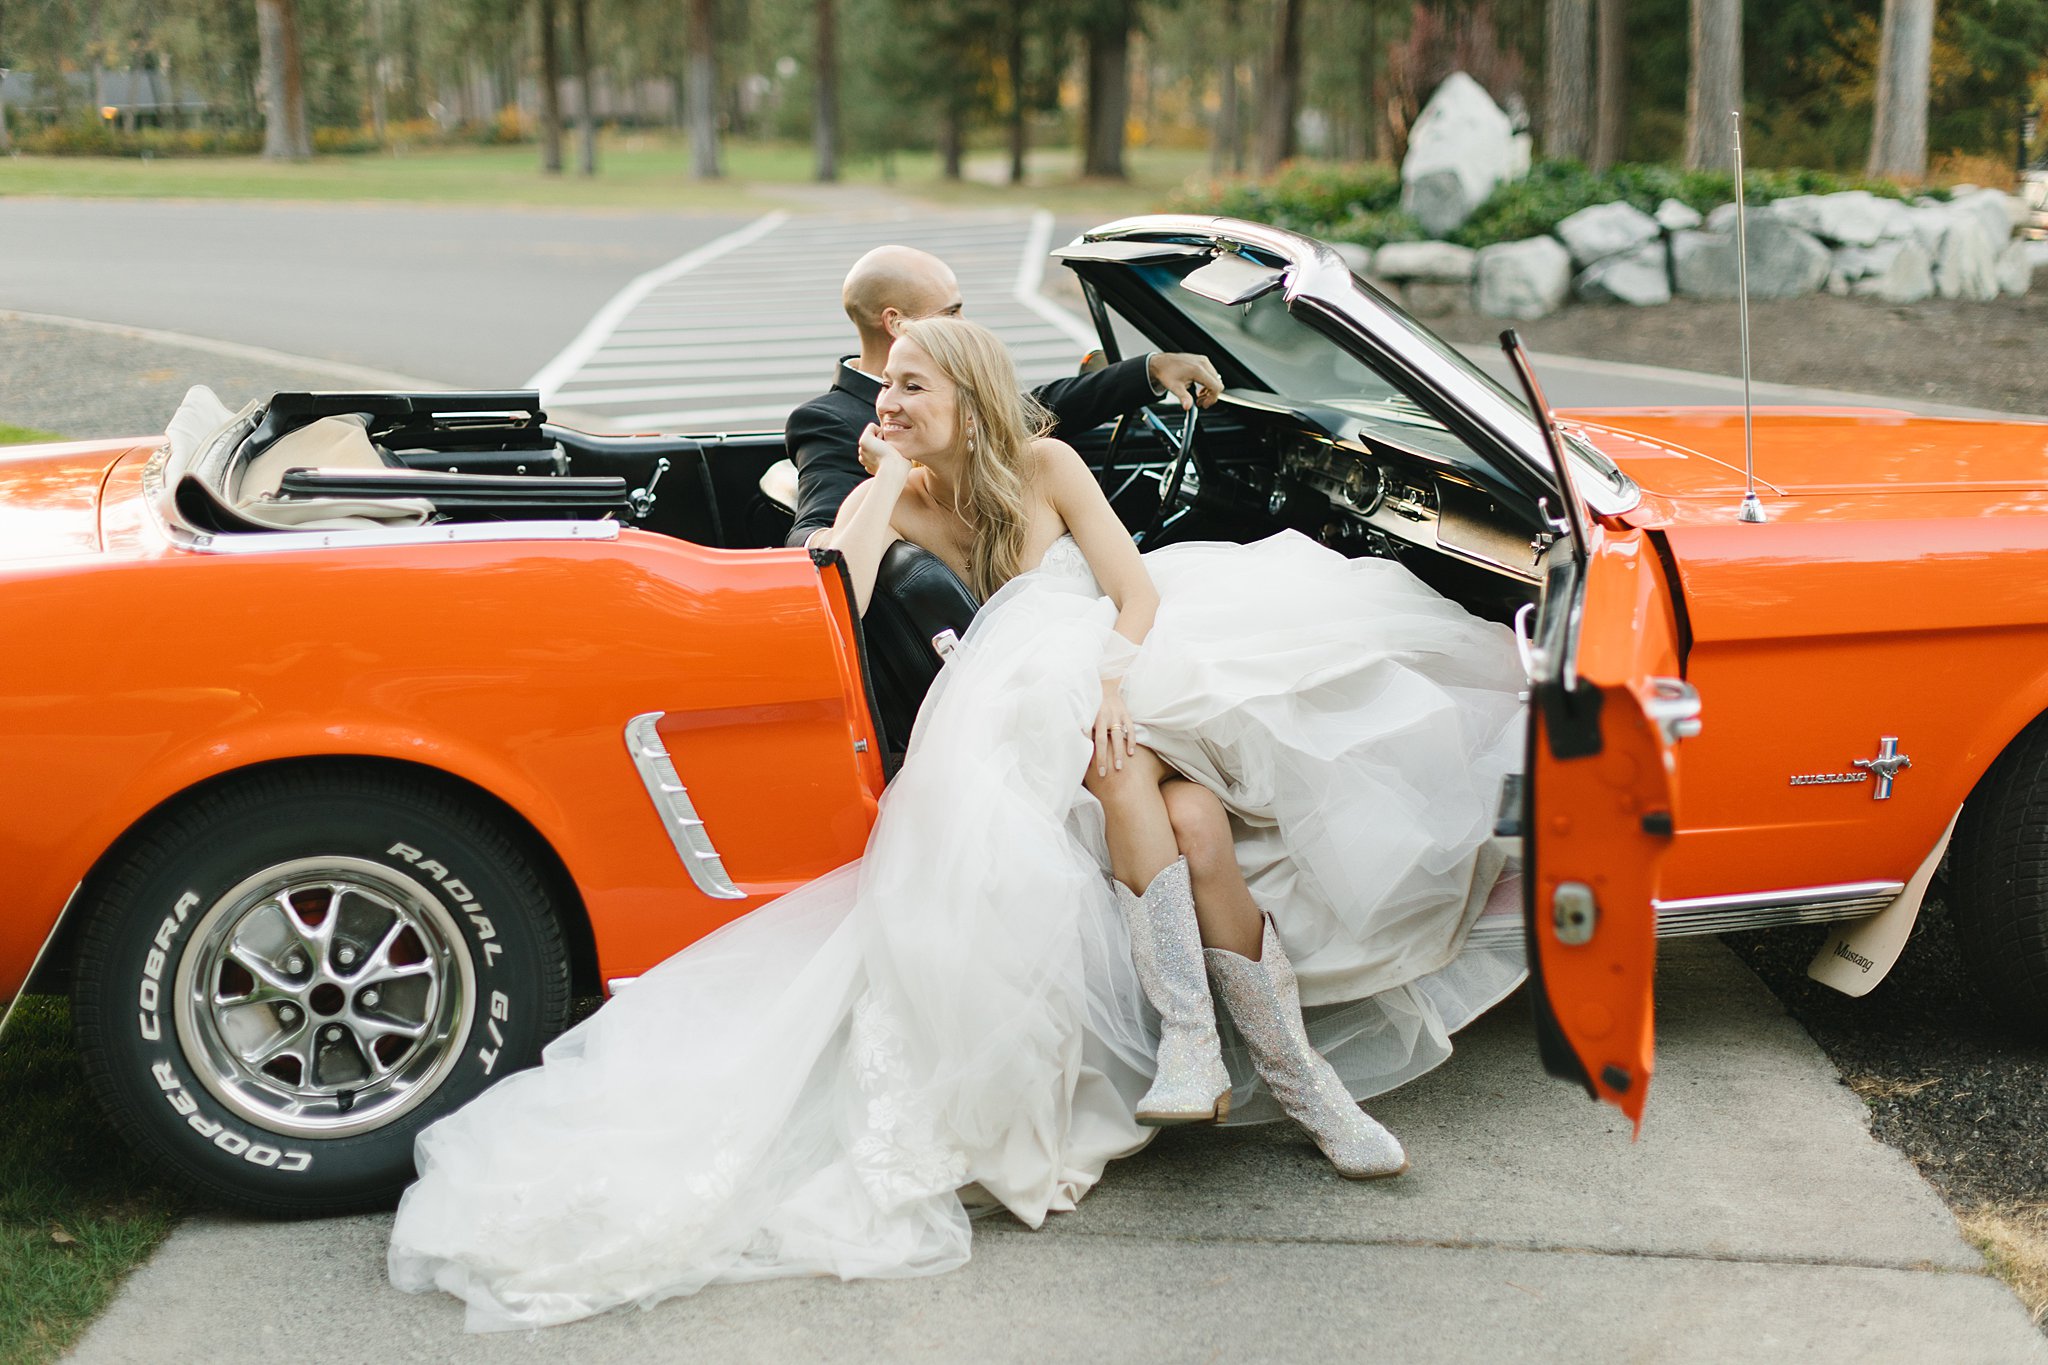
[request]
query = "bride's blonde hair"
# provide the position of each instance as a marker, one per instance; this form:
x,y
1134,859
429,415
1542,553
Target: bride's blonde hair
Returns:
x,y
997,426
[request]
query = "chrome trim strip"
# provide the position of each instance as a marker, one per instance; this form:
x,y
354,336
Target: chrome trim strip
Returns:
x,y
456,533
7,1015
678,815
1729,914
1320,276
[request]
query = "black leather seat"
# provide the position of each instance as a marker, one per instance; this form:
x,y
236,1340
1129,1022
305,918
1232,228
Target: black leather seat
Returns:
x,y
917,599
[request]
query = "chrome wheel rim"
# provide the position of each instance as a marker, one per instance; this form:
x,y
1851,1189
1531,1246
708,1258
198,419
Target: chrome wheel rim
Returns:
x,y
325,996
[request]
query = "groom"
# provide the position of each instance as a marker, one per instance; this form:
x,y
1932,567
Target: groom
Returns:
x,y
896,284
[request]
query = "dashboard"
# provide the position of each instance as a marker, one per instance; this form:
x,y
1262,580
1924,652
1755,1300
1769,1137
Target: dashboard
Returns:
x,y
1381,485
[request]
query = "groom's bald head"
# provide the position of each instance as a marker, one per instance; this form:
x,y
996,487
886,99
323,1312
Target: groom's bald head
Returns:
x,y
896,283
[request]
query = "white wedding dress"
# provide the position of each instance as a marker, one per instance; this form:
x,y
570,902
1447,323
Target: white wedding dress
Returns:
x,y
825,1086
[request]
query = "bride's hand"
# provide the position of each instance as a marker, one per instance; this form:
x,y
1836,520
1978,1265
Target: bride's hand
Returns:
x,y
877,455
1114,741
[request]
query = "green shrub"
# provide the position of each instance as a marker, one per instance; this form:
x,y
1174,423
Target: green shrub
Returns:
x,y
96,137
1363,203
1374,228
1300,197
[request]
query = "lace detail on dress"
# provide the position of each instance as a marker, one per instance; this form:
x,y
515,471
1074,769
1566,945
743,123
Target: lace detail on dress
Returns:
x,y
899,1155
1063,559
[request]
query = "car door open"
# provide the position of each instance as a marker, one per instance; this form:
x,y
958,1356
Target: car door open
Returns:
x,y
1599,798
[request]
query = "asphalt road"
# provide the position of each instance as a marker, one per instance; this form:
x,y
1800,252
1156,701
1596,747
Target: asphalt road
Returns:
x,y
458,297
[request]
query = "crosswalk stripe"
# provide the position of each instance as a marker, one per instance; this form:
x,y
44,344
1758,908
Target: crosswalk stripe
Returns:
x,y
735,334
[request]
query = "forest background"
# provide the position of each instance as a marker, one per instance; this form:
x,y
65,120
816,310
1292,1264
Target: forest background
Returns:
x,y
1254,82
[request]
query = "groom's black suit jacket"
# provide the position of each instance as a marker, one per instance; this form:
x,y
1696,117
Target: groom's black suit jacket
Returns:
x,y
823,436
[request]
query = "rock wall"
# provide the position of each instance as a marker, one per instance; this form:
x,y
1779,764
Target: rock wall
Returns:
x,y
1851,243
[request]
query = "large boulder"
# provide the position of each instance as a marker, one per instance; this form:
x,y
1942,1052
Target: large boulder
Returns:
x,y
1890,272
2015,269
1606,230
1990,212
1461,146
1851,218
1675,215
1432,262
1641,276
1526,279
1785,261
1965,266
1703,264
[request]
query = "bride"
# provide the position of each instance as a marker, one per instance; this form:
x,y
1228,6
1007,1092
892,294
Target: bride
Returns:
x,y
1282,759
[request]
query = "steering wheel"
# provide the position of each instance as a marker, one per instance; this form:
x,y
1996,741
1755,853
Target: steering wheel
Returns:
x,y
1175,498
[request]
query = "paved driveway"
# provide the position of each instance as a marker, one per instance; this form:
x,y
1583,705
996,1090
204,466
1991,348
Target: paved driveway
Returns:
x,y
462,297
1756,1220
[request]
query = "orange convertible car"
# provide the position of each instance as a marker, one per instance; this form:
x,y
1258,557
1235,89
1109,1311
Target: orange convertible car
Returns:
x,y
350,737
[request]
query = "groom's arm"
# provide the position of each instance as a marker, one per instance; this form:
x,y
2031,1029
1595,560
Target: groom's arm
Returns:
x,y
826,450
1085,401
1089,400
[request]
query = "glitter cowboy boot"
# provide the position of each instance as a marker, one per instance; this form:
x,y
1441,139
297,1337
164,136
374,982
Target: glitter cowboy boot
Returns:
x,y
1191,1084
1266,1006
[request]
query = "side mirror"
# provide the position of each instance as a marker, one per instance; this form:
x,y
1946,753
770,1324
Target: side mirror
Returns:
x,y
1095,360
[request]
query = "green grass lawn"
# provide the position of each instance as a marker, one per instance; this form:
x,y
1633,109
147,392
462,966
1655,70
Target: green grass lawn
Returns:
x,y
14,436
77,1210
636,170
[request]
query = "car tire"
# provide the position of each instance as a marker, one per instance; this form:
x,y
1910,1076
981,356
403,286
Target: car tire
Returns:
x,y
1998,882
285,977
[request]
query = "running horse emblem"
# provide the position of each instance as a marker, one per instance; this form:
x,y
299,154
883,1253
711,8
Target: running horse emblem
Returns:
x,y
1885,766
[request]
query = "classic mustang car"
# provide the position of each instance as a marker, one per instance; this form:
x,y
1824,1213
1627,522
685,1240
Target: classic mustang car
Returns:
x,y
352,737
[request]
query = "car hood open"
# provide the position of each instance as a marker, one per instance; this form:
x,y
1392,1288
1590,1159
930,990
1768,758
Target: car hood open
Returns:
x,y
1818,462
50,497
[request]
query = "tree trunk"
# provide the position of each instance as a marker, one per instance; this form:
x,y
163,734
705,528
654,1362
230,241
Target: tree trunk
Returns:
x,y
825,116
1283,90
285,137
1109,92
550,89
1568,80
1610,97
1375,85
1898,139
700,89
1714,89
1020,127
374,32
1224,154
952,137
586,113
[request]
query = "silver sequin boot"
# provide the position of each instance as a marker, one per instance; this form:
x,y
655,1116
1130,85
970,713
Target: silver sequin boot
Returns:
x,y
1191,1085
1263,1000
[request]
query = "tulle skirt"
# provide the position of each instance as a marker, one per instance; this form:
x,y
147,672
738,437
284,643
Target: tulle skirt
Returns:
x,y
824,1086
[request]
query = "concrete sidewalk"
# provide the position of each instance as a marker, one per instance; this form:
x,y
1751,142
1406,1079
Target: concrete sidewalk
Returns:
x,y
1757,1220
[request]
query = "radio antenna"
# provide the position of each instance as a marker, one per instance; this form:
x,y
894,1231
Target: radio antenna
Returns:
x,y
1752,509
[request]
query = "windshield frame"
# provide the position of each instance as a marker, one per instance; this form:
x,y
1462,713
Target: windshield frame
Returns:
x,y
1323,293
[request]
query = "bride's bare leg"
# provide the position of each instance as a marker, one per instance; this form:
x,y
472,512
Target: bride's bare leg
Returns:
x,y
1141,841
1154,895
1224,908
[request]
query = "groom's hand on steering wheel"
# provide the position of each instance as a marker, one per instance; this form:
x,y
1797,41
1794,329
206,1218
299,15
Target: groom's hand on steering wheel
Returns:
x,y
1187,377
